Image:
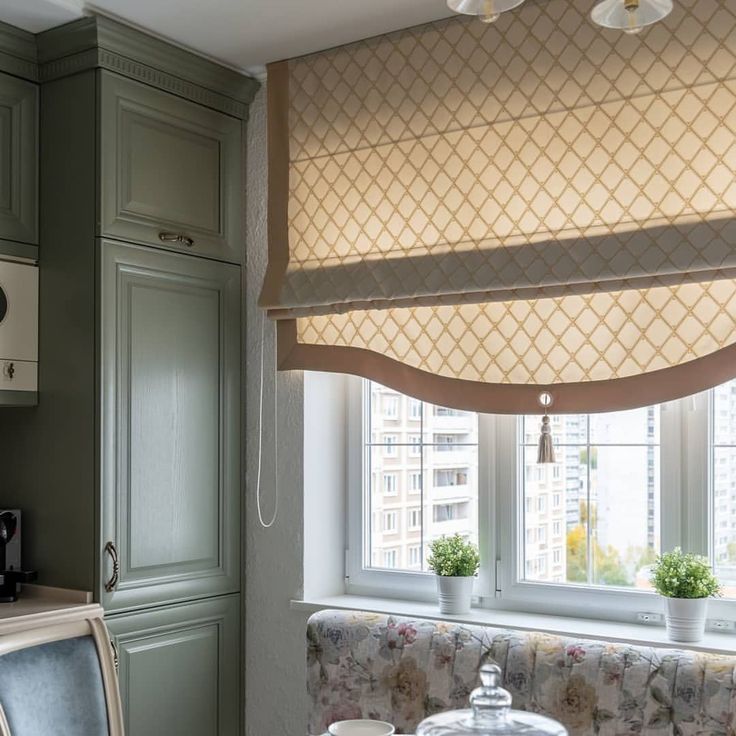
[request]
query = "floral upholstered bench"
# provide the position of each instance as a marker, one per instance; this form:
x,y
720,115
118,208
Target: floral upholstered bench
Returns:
x,y
364,665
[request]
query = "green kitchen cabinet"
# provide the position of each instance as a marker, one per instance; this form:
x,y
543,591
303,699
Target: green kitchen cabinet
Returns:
x,y
179,668
171,171
18,161
170,378
128,471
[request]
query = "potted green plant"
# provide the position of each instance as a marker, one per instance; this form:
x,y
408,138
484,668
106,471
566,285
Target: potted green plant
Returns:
x,y
455,562
685,581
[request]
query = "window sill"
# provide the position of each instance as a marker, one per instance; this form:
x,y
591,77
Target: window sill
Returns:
x,y
627,633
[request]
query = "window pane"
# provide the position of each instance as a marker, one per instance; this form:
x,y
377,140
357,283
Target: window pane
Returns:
x,y
724,414
637,427
723,486
552,505
592,518
451,492
421,477
387,412
624,514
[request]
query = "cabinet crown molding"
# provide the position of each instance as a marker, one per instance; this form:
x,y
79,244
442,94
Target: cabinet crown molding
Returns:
x,y
18,55
100,42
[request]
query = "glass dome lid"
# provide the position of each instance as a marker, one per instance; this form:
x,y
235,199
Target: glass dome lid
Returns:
x,y
489,714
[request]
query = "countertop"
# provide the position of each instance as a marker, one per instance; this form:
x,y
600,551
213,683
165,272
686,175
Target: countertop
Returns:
x,y
40,604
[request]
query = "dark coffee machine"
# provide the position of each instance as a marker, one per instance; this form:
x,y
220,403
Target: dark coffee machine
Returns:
x,y
11,576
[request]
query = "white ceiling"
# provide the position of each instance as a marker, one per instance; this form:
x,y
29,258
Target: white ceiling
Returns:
x,y
244,34
38,15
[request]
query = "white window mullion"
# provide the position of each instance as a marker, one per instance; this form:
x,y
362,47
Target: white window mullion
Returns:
x,y
358,506
509,509
672,460
487,486
696,501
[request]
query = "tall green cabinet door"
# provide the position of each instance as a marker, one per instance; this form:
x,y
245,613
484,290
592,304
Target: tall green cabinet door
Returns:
x,y
18,160
171,171
169,332
179,669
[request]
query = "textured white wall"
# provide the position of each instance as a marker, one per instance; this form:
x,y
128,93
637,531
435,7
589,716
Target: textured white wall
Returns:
x,y
275,653
325,480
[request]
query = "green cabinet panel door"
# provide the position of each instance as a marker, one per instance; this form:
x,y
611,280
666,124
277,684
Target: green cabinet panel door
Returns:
x,y
179,669
171,171
18,160
170,373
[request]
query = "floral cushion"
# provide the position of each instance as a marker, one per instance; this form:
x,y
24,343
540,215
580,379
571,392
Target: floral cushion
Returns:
x,y
364,665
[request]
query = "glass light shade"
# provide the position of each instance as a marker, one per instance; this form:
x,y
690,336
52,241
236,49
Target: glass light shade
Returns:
x,y
487,10
630,16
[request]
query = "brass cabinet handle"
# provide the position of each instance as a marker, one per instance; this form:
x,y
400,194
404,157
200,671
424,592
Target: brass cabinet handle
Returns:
x,y
112,583
176,238
115,656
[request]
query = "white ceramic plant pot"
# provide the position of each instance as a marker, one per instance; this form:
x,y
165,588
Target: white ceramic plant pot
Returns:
x,y
685,618
455,593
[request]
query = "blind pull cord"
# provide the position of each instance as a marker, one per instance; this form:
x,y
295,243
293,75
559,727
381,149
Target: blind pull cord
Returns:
x,y
269,524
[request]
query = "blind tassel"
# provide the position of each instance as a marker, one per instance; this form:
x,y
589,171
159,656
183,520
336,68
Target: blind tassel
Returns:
x,y
546,453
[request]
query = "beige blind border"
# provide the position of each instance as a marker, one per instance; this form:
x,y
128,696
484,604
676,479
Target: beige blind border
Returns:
x,y
616,394
588,396
278,180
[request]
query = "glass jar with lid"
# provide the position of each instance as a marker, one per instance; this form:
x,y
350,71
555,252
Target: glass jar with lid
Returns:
x,y
489,714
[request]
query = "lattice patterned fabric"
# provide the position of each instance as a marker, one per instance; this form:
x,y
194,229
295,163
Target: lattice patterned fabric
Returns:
x,y
446,181
566,339
402,670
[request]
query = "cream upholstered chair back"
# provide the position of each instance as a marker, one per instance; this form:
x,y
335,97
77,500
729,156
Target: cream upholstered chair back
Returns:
x,y
59,679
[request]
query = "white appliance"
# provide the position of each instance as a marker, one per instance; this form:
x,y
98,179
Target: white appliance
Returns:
x,y
18,327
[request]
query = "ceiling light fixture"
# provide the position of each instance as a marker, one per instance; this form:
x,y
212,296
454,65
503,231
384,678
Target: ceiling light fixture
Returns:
x,y
630,16
487,10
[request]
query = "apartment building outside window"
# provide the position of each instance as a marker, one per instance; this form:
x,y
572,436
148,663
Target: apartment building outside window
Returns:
x,y
722,462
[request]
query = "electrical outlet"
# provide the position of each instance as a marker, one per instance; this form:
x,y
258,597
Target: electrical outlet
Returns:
x,y
721,624
655,619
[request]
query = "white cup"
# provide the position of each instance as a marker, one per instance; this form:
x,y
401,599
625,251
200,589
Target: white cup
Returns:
x,y
361,727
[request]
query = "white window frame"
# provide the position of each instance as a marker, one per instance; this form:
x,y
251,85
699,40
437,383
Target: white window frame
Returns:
x,y
685,519
413,416
417,585
393,551
390,448
415,444
393,528
409,489
515,593
395,475
391,400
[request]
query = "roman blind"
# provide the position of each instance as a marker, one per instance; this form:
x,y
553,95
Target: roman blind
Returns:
x,y
476,214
